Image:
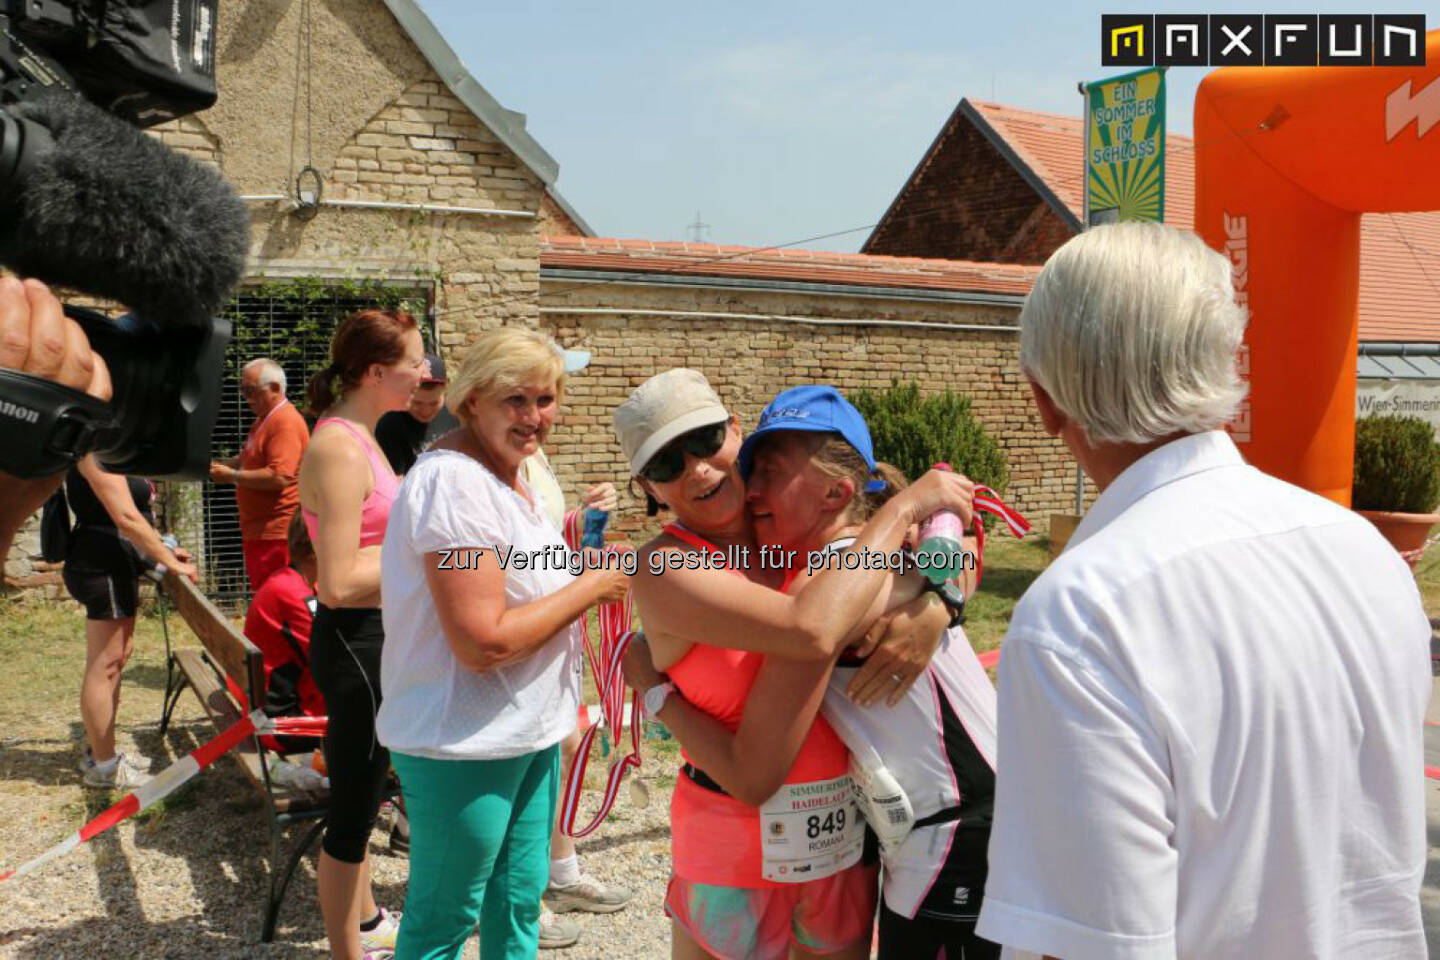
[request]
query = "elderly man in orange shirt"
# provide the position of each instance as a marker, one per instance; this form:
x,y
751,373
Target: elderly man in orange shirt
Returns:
x,y
265,472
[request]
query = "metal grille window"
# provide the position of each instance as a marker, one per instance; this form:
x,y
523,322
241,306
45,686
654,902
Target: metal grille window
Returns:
x,y
291,322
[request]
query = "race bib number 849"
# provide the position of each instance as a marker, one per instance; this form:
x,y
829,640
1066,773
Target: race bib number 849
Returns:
x,y
809,831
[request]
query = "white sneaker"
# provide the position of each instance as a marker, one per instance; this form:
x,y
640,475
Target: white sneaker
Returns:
x,y
587,894
125,775
556,933
384,935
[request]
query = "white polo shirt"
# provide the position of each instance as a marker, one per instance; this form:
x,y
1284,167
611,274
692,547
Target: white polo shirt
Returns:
x,y
432,705
1211,712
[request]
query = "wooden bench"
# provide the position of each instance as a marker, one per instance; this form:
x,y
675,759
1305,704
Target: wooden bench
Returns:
x,y
227,653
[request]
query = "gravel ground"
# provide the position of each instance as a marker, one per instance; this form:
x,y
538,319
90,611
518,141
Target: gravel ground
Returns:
x,y
189,880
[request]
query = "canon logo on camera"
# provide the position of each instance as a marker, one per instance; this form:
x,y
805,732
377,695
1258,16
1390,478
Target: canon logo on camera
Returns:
x,y
18,412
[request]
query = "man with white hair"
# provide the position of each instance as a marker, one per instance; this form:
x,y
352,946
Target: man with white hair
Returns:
x,y
266,471
1212,703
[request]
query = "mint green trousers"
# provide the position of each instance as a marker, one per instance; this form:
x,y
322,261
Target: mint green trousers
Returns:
x,y
479,852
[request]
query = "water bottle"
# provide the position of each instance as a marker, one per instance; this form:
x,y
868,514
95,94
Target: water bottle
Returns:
x,y
157,571
595,523
942,538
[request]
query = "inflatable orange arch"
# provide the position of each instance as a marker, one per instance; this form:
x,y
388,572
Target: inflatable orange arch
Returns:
x,y
1287,159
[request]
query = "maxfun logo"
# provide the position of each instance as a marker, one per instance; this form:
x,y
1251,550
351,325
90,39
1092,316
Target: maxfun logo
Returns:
x,y
1262,40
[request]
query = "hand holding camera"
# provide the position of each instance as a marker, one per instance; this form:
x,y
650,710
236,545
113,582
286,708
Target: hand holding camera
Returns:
x,y
38,339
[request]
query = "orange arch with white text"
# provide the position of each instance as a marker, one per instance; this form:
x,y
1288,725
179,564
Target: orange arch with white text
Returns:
x,y
1287,159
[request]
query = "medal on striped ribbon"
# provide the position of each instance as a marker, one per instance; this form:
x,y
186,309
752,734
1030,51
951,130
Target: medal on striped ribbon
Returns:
x,y
605,665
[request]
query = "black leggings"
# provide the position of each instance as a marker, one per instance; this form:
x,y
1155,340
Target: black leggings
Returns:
x,y
927,939
944,924
345,660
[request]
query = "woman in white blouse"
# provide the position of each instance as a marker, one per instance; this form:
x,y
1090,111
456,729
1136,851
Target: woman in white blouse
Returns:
x,y
479,673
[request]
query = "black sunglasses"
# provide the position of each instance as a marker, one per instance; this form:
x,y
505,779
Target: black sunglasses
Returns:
x,y
669,462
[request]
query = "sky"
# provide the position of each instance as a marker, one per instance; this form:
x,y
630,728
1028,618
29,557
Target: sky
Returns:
x,y
786,120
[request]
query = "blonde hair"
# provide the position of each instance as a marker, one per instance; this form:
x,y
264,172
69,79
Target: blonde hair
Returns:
x,y
502,359
1133,330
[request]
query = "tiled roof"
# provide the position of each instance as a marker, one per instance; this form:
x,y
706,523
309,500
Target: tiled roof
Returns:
x,y
1053,146
1399,260
768,263
1399,253
1400,276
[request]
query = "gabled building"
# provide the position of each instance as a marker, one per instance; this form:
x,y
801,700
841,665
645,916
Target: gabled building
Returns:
x,y
1002,183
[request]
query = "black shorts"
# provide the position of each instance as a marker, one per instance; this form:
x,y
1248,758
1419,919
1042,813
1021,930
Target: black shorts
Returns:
x,y
345,661
105,595
102,573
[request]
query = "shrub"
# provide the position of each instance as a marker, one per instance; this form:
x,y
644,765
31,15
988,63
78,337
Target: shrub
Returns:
x,y
1397,465
914,433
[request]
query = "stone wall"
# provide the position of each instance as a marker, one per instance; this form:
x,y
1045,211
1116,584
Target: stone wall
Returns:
x,y
750,360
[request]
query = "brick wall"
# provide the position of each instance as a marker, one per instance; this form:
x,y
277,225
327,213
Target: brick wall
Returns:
x,y
968,203
749,361
554,221
190,135
426,147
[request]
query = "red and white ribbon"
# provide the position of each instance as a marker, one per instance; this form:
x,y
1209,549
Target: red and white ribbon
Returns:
x,y
590,712
171,779
605,665
988,501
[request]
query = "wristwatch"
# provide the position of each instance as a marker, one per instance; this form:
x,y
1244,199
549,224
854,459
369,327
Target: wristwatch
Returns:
x,y
952,597
655,698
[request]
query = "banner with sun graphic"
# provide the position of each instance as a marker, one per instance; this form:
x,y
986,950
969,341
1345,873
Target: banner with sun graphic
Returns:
x,y
1125,148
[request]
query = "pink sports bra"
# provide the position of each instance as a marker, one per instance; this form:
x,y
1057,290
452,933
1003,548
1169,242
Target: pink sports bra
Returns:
x,y
375,511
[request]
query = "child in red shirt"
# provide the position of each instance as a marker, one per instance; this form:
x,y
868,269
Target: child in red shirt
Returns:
x,y
278,622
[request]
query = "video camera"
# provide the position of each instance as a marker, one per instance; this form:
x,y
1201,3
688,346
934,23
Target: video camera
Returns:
x,y
90,203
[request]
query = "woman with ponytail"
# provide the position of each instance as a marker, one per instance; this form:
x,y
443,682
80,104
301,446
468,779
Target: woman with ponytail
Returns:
x,y
346,486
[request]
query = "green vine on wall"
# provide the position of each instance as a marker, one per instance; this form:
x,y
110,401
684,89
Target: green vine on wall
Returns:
x,y
292,319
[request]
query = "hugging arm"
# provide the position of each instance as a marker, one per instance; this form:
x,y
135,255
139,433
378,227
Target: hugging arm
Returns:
x,y
752,762
717,608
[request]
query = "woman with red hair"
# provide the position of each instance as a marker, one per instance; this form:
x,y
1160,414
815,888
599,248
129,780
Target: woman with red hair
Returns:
x,y
346,486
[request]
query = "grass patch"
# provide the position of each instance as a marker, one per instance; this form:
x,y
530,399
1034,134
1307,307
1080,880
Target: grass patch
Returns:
x,y
42,644
1010,567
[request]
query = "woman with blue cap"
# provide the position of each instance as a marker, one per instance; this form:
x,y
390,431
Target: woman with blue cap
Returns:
x,y
766,849
810,474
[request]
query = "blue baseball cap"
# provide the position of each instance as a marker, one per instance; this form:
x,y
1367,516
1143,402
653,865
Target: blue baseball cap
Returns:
x,y
816,408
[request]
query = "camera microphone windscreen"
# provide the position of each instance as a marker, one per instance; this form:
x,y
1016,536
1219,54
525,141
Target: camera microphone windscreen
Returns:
x,y
113,212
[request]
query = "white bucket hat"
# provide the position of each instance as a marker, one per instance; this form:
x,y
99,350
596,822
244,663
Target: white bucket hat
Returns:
x,y
661,409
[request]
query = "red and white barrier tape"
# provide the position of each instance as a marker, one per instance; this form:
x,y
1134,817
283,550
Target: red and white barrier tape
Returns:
x,y
169,780
605,665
